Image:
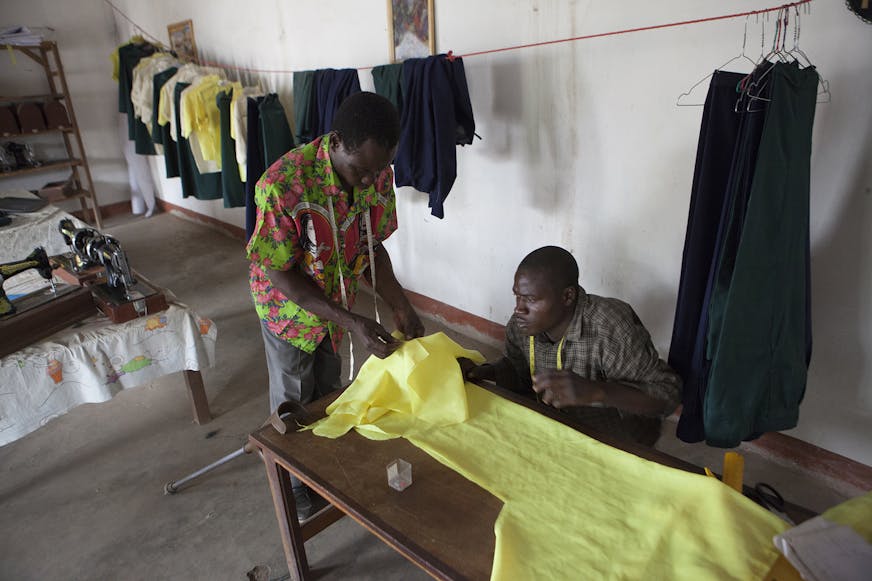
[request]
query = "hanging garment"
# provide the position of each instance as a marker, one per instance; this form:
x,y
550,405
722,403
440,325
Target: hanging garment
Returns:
x,y
388,81
305,107
719,159
167,103
437,116
573,507
759,333
239,125
332,86
274,129
201,123
139,176
203,186
142,93
161,133
129,56
231,185
254,167
714,242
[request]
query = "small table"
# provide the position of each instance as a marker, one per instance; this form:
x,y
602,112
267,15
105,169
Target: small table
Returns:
x,y
443,522
95,359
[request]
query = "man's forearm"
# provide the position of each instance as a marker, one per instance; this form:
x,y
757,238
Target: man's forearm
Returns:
x,y
631,399
304,292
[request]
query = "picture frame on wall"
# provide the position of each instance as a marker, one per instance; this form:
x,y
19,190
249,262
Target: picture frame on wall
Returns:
x,y
182,41
411,29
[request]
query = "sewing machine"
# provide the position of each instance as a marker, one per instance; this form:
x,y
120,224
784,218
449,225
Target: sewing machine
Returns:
x,y
38,313
98,261
37,260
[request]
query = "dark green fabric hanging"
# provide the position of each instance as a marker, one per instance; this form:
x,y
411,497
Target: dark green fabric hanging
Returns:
x,y
305,107
759,352
231,182
161,133
388,80
274,128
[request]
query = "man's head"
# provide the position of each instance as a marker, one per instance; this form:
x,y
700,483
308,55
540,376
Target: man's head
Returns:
x,y
546,290
363,140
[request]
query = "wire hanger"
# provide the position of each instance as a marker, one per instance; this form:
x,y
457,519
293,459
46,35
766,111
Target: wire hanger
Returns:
x,y
740,56
750,88
792,55
823,94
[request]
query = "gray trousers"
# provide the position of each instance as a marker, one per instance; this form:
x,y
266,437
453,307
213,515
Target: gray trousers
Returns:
x,y
296,375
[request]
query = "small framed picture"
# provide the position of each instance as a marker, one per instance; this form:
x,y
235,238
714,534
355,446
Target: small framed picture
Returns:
x,y
411,29
182,41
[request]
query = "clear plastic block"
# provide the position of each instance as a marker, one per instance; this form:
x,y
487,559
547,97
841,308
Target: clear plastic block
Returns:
x,y
399,474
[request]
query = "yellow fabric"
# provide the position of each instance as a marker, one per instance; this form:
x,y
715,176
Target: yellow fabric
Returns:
x,y
115,64
855,513
200,113
390,396
574,508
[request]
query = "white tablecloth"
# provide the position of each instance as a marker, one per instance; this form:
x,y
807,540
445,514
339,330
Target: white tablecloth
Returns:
x,y
96,359
27,231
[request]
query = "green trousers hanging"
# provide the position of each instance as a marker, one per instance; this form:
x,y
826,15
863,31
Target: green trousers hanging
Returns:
x,y
757,339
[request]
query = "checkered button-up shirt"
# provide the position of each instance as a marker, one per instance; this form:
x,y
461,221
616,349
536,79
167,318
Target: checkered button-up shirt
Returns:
x,y
605,341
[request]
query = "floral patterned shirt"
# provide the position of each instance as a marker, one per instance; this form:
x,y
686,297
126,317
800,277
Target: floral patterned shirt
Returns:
x,y
294,231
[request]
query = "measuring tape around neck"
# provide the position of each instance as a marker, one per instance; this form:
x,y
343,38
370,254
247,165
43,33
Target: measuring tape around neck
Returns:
x,y
533,355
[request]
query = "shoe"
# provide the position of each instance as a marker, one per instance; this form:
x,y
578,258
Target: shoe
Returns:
x,y
308,503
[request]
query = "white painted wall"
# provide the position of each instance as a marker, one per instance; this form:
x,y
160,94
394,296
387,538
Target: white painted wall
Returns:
x,y
583,147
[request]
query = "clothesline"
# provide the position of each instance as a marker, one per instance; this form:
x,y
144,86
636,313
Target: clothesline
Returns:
x,y
508,48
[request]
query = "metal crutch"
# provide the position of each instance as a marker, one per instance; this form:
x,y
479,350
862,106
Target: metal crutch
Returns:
x,y
289,410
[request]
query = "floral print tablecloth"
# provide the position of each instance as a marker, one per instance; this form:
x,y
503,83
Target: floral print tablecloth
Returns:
x,y
95,359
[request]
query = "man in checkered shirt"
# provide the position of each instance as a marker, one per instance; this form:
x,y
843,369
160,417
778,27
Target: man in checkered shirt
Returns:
x,y
591,355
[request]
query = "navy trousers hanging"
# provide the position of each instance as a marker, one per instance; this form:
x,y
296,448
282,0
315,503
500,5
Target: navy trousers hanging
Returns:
x,y
714,157
717,227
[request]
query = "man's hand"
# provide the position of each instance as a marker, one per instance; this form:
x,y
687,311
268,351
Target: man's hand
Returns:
x,y
407,321
473,372
376,338
562,388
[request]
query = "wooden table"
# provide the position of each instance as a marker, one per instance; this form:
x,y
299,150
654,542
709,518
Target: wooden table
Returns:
x,y
443,522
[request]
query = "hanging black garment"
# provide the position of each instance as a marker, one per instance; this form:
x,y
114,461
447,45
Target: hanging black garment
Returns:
x,y
714,157
231,184
332,86
254,166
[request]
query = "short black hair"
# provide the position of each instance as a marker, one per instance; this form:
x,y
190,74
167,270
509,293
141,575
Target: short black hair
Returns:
x,y
556,264
365,115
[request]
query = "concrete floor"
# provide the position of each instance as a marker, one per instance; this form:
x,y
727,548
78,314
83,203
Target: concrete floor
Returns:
x,y
82,498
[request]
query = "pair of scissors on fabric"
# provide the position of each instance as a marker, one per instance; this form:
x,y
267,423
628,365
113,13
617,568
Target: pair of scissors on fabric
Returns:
x,y
771,500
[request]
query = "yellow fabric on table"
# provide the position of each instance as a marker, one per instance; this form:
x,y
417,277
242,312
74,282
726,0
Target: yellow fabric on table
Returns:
x,y
392,395
855,513
574,508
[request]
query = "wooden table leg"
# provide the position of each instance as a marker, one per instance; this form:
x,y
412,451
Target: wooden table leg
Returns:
x,y
197,395
286,513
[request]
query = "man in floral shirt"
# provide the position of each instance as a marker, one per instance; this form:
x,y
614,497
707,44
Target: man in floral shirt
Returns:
x,y
323,210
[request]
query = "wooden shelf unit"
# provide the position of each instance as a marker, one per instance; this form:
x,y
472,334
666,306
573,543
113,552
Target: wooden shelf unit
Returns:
x,y
46,55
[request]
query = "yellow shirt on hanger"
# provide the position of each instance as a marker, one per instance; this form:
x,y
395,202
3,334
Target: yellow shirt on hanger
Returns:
x,y
574,508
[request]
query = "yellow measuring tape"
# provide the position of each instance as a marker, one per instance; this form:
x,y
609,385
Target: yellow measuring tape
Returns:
x,y
533,355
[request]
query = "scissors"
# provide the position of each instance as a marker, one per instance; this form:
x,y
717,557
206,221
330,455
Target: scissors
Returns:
x,y
771,500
